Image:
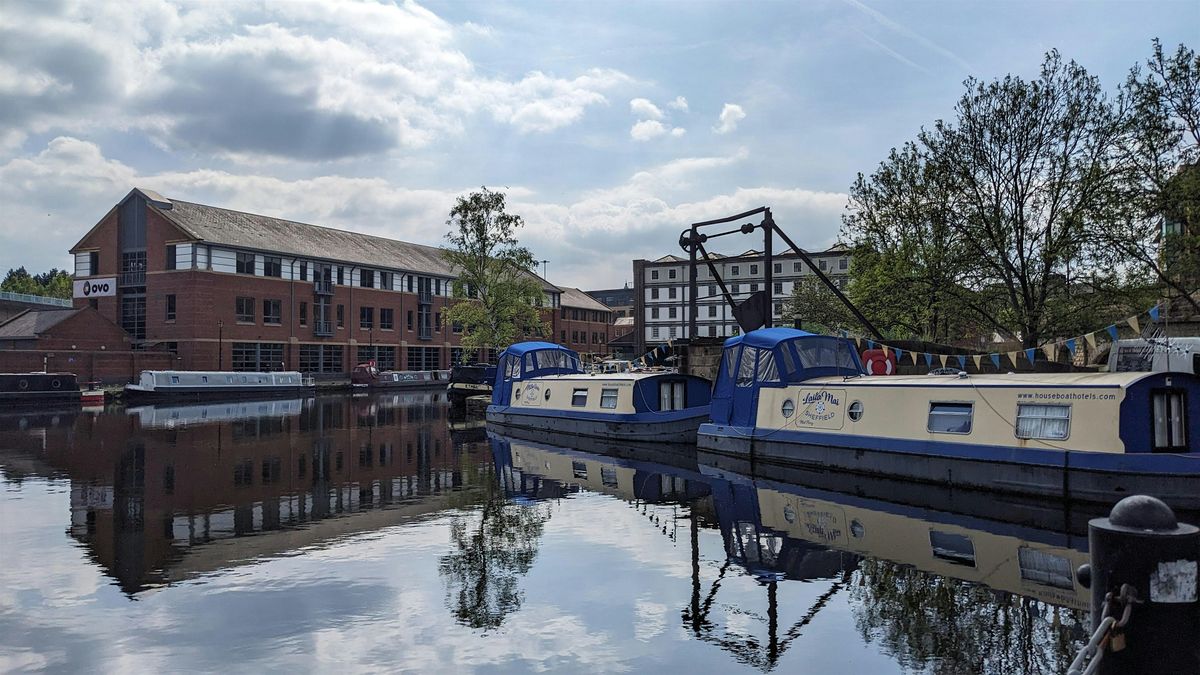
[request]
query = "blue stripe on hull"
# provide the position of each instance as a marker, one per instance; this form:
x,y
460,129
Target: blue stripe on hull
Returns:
x,y
677,426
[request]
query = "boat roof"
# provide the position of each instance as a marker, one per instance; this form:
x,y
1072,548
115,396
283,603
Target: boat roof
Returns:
x,y
222,372
770,337
524,347
600,377
1001,379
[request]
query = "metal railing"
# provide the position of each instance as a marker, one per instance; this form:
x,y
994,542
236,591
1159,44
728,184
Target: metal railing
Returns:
x,y
425,333
425,297
323,328
323,287
34,299
132,278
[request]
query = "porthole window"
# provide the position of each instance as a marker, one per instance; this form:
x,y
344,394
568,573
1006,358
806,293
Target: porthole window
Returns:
x,y
856,411
788,407
547,396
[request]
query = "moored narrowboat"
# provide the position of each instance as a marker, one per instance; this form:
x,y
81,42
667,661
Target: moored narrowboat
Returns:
x,y
542,386
200,385
367,375
470,380
33,389
784,396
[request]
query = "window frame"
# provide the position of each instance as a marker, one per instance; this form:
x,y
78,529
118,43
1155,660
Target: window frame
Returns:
x,y
239,305
1017,421
576,393
970,417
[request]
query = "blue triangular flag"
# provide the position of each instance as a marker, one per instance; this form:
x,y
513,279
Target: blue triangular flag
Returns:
x,y
962,362
995,360
928,360
1030,353
1154,313
899,353
1071,346
1112,332
870,344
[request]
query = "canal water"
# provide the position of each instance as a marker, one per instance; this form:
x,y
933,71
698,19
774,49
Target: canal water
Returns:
x,y
380,534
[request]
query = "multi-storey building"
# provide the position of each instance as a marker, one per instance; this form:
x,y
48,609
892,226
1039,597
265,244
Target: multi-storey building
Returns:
x,y
584,324
619,299
661,291
231,290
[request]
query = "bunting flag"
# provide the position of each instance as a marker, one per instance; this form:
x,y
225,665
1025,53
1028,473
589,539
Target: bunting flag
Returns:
x,y
977,358
899,353
885,350
962,363
1154,313
1071,347
1112,332
858,343
928,360
995,360
1133,323
870,344
1030,353
1012,356
914,357
943,358
1091,340
1051,350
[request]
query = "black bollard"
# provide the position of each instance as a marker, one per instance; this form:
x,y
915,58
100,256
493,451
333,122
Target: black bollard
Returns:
x,y
1142,544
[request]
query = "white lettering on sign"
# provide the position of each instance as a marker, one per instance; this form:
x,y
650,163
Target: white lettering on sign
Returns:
x,y
820,408
104,287
1174,582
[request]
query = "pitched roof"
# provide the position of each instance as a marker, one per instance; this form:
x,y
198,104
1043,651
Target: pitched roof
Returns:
x,y
573,297
33,322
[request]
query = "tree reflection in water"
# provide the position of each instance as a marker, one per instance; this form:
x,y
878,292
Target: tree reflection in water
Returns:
x,y
493,546
945,625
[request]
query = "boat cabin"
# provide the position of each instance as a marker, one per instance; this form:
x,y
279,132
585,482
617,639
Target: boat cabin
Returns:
x,y
775,357
527,360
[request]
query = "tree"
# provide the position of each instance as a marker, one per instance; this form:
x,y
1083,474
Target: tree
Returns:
x,y
56,283
990,218
816,308
496,297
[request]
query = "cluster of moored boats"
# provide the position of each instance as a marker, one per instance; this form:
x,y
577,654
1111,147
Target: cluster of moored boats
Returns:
x,y
787,397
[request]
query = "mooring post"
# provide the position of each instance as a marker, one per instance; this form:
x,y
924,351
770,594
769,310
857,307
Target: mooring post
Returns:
x,y
1143,575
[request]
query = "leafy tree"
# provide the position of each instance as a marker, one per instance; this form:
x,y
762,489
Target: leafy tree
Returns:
x,y
497,298
55,283
816,308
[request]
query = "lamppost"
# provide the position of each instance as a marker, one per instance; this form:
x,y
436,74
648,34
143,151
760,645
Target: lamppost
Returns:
x,y
544,263
220,345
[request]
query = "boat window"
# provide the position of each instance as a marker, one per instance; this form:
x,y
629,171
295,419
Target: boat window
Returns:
x,y
955,548
672,395
608,398
174,379
950,418
579,397
789,364
731,355
579,470
1170,428
514,367
745,376
1052,422
608,476
766,368
204,379
1045,568
827,352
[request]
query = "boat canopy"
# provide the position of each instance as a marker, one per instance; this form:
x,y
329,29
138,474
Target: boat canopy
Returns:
x,y
775,357
531,359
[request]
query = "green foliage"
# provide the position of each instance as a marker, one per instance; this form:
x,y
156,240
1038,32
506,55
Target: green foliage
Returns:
x,y
496,298
56,283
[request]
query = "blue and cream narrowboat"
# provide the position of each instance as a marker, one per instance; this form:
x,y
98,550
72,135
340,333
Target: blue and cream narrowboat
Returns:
x,y
787,397
541,386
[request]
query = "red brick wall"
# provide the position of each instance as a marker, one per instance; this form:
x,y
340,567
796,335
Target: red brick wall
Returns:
x,y
111,367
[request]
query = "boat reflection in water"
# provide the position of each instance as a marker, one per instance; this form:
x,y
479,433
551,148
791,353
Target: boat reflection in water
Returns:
x,y
971,593
166,493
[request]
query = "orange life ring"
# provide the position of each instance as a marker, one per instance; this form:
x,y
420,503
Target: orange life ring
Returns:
x,y
877,362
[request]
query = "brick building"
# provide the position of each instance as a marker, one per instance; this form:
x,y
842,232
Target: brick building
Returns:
x,y
584,324
224,289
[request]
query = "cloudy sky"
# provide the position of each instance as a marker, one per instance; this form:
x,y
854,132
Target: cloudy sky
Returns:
x,y
611,125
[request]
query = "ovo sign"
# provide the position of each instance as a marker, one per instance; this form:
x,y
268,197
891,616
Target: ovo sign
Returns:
x,y
96,288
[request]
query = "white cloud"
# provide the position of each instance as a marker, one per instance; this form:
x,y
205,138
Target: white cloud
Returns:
x,y
678,131
646,130
731,114
644,109
680,103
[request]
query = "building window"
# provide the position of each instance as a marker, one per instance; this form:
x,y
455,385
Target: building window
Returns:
x,y
653,293
712,310
735,289
778,311
366,278
410,283
608,399
712,331
304,314
384,357
822,264
753,288
778,288
654,274
671,332
245,309
424,358
437,321
410,319
321,358
778,268
654,332
574,336
712,290
273,312
735,271
171,257
366,317
387,318
842,264
341,275
564,336
1050,422
245,263
753,270
272,266
579,398
653,312
671,293
171,307
796,267
303,271
950,418
94,262
341,316
385,280
671,312
133,316
257,356
671,274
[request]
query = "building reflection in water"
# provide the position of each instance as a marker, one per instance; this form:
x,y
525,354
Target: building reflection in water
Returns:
x,y
165,493
953,591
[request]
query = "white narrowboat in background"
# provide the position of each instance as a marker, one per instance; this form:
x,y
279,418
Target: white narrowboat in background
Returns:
x,y
541,386
790,397
197,385
1159,355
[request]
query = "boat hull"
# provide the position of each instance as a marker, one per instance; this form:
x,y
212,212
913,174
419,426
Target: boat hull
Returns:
x,y
677,427
212,393
1072,475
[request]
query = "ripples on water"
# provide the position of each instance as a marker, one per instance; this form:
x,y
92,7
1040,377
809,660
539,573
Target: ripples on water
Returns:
x,y
378,534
